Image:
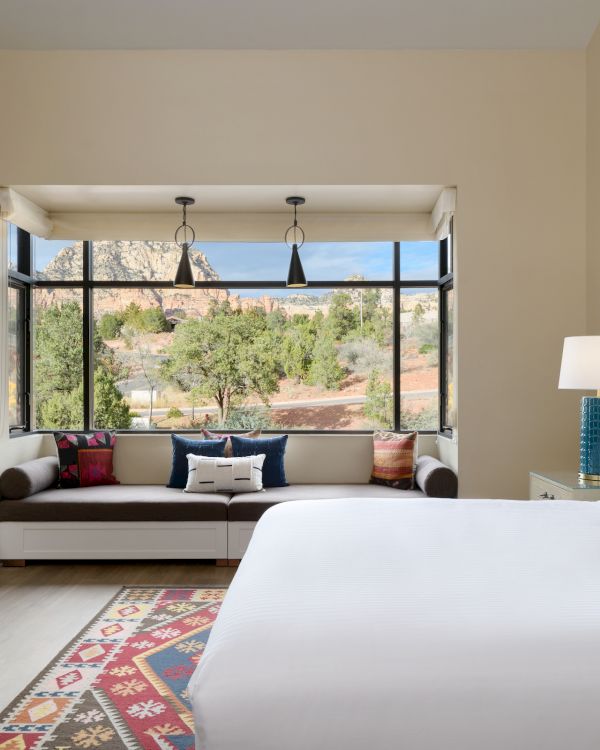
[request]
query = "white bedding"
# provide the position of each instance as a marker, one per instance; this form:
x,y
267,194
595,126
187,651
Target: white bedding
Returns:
x,y
410,625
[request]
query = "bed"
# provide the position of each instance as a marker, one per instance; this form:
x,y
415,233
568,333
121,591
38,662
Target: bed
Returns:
x,y
409,625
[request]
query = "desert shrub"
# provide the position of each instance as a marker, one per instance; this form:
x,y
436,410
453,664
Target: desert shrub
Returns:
x,y
363,355
174,413
425,419
244,418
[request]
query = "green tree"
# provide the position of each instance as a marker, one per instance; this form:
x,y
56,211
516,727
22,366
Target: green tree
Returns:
x,y
325,369
109,326
61,411
132,316
371,303
343,317
229,355
59,374
153,320
418,314
149,320
276,321
378,407
58,365
111,411
297,349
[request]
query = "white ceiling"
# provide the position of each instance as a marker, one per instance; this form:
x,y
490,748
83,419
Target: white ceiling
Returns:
x,y
232,198
283,24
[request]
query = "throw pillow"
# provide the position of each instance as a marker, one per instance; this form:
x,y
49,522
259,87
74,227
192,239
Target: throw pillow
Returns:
x,y
28,478
228,449
181,447
394,459
224,474
435,478
85,460
274,450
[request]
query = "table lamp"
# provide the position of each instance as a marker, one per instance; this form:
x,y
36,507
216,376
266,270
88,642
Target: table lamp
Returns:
x,y
580,370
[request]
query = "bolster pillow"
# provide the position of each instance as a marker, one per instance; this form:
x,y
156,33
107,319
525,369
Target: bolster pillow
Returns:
x,y
435,478
28,478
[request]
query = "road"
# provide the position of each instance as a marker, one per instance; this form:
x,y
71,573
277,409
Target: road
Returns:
x,y
307,403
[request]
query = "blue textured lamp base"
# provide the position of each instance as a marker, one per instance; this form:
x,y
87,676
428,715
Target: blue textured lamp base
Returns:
x,y
589,439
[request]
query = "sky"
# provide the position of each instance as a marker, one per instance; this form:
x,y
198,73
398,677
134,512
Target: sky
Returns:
x,y
321,261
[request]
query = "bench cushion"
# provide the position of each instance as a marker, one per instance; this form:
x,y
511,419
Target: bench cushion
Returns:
x,y
250,507
134,502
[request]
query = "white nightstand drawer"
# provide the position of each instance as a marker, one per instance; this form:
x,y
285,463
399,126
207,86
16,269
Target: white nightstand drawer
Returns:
x,y
540,490
562,485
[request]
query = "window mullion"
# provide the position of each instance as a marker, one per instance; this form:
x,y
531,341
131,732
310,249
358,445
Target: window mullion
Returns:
x,y
88,339
396,337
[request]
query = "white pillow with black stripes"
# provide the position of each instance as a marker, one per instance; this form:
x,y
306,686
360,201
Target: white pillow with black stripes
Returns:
x,y
240,474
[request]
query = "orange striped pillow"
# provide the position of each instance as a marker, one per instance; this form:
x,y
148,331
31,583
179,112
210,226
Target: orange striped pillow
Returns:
x,y
394,459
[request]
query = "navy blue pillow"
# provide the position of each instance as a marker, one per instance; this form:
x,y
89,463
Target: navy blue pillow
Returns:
x,y
181,447
274,449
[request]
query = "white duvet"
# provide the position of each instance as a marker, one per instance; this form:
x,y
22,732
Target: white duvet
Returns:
x,y
410,625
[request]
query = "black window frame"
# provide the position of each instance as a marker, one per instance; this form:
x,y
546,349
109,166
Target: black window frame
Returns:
x,y
20,279
88,285
446,285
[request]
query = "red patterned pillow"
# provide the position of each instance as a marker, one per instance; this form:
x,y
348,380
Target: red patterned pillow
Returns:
x,y
85,460
394,457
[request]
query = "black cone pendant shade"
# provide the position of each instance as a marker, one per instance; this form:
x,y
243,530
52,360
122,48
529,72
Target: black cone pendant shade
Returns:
x,y
296,277
184,278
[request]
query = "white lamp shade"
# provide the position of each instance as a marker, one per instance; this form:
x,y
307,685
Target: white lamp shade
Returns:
x,y
580,366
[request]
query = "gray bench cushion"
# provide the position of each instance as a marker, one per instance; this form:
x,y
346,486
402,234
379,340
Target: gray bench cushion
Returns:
x,y
250,506
121,502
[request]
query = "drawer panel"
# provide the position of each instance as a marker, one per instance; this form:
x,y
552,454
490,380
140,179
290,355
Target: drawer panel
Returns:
x,y
538,487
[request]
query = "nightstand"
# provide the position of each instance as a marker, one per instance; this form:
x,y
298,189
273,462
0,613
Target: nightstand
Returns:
x,y
561,485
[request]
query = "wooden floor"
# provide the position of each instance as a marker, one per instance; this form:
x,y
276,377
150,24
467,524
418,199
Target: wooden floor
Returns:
x,y
43,606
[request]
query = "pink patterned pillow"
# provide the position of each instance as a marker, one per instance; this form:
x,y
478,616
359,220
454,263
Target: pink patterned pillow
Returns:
x,y
85,460
394,458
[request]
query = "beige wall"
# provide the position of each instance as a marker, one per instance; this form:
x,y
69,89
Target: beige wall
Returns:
x,y
593,182
508,128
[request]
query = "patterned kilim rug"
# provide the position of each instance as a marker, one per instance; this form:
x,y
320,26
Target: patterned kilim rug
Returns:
x,y
122,682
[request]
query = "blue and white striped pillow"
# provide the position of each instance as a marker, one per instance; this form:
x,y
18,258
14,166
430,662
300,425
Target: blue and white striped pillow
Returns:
x,y
206,474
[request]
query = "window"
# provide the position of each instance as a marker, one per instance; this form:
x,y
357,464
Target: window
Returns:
x,y
244,357
13,259
57,260
447,373
115,345
419,357
16,357
58,358
18,328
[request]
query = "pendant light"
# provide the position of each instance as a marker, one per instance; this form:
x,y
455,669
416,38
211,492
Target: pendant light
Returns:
x,y
184,278
294,239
